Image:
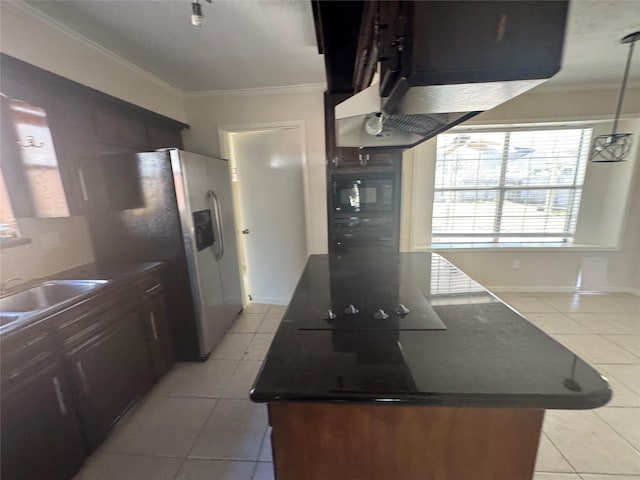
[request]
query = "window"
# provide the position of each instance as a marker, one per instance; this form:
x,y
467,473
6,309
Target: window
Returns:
x,y
509,186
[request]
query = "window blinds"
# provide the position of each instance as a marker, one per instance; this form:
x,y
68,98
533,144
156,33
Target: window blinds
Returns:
x,y
509,186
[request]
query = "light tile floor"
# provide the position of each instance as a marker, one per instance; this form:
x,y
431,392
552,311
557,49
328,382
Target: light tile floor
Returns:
x,y
198,423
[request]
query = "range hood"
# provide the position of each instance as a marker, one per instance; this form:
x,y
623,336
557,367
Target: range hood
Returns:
x,y
419,114
440,63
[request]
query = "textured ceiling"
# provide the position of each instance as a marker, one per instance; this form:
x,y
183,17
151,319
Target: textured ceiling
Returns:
x,y
248,43
593,53
244,44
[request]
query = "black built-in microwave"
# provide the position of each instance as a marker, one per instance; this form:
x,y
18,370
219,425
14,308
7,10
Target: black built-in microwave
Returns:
x,y
363,192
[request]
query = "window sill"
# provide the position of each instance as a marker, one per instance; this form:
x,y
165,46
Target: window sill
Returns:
x,y
499,247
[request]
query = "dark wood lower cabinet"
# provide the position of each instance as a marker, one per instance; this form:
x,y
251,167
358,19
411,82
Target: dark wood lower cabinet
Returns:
x,y
154,317
67,379
41,433
109,372
318,441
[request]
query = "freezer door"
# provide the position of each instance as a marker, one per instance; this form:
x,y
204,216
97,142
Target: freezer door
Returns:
x,y
220,179
193,182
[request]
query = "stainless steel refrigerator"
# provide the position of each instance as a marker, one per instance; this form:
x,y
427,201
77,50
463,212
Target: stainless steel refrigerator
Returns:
x,y
176,207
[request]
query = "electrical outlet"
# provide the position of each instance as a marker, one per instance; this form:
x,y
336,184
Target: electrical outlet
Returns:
x,y
515,264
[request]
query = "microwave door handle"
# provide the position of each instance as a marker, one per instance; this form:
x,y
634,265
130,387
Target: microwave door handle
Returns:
x,y
213,198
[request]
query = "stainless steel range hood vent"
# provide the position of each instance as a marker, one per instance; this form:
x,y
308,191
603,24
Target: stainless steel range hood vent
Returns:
x,y
420,113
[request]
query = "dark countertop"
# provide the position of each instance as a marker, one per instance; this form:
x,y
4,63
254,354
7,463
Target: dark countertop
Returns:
x,y
488,355
114,272
116,275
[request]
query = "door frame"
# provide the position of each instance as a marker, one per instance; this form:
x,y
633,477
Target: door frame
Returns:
x,y
224,138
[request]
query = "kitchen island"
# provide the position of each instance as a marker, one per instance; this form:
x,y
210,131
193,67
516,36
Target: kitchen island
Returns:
x,y
400,366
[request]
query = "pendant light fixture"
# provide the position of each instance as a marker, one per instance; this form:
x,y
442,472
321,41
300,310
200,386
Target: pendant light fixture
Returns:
x,y
615,146
197,17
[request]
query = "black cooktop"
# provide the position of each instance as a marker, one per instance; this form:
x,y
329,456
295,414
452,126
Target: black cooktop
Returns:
x,y
359,308
350,293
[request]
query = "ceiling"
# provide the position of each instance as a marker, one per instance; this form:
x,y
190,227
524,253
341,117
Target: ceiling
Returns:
x,y
244,44
271,43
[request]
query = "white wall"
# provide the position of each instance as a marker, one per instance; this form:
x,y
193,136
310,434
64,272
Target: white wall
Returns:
x,y
56,244
205,114
607,218
28,35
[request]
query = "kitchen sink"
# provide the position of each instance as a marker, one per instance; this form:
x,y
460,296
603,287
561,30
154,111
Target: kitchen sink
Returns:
x,y
6,318
42,297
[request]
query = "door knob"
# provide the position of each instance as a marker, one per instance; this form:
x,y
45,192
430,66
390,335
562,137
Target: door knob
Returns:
x,y
245,231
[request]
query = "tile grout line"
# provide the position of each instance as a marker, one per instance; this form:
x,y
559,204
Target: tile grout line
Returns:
x,y
621,346
559,451
616,431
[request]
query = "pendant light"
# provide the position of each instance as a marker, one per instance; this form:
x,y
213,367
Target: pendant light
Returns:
x,y
615,146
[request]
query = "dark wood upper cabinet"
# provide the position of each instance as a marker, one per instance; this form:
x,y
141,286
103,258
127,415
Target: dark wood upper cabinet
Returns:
x,y
162,136
427,42
112,125
367,52
85,124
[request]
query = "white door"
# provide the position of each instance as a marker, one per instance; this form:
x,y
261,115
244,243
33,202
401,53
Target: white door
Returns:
x,y
272,212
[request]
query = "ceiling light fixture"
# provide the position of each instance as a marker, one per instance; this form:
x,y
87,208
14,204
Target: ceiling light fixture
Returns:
x,y
615,146
197,17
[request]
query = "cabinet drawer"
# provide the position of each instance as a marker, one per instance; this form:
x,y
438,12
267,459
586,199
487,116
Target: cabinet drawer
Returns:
x,y
149,286
23,355
78,324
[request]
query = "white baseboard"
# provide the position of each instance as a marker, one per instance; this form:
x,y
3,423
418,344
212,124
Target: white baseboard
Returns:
x,y
271,300
559,289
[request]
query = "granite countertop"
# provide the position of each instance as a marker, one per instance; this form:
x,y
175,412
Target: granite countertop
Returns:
x,y
115,274
458,346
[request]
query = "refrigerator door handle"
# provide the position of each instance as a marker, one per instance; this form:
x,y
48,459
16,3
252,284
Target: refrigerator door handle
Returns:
x,y
213,198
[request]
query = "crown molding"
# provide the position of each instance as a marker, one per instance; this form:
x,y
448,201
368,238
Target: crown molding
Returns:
x,y
249,92
51,22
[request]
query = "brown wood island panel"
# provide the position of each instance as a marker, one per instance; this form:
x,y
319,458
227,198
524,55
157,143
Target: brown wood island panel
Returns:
x,y
319,441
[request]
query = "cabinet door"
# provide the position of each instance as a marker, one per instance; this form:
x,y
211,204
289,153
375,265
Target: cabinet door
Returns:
x,y
347,157
120,126
154,314
109,372
392,41
70,124
41,435
161,136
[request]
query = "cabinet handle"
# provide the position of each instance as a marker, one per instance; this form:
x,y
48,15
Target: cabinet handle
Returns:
x,y
83,185
56,386
153,289
154,330
83,378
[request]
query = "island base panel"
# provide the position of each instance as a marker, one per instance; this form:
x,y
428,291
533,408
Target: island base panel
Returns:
x,y
319,441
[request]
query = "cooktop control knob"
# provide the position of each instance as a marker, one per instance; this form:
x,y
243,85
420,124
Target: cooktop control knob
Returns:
x,y
380,315
351,309
401,310
329,315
